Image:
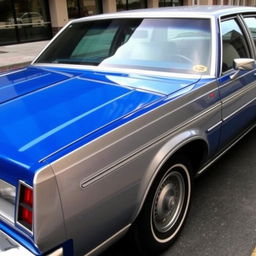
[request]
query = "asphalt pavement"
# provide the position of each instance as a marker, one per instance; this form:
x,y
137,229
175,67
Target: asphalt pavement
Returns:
x,y
222,218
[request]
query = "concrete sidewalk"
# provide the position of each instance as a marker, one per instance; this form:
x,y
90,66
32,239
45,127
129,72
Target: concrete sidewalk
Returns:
x,y
19,55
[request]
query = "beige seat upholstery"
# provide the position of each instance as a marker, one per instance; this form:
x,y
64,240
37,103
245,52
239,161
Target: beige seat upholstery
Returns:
x,y
229,54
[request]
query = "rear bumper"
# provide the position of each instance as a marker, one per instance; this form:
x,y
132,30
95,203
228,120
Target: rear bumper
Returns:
x,y
9,247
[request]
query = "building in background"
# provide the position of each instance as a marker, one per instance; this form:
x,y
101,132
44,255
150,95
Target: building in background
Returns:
x,y
24,20
32,20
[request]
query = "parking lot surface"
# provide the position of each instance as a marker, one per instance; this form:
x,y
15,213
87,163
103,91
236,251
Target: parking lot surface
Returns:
x,y
222,218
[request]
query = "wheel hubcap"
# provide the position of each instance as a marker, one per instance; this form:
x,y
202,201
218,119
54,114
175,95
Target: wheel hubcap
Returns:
x,y
168,201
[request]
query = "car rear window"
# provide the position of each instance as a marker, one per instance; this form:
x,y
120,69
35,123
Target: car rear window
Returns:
x,y
179,45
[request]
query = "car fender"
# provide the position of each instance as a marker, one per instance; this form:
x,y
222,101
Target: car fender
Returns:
x,y
173,145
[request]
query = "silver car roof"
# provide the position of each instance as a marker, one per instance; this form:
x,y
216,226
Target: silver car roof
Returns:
x,y
206,11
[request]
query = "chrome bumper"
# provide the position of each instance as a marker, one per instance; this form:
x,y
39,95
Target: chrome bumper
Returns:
x,y
9,247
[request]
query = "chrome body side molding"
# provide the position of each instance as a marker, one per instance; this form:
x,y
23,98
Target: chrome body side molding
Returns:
x,y
207,165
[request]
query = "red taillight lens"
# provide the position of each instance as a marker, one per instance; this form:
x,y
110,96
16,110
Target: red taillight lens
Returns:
x,y
26,215
26,195
25,210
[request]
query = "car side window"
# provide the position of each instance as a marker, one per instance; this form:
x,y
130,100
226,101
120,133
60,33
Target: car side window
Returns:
x,y
251,24
233,44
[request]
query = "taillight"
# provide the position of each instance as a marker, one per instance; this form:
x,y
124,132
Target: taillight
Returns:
x,y
25,206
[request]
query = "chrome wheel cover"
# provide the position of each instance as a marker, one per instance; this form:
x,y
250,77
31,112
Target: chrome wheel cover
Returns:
x,y
170,203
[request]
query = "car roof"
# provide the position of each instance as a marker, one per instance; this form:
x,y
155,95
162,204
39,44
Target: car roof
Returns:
x,y
182,11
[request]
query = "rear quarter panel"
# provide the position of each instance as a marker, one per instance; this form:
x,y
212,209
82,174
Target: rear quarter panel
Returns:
x,y
103,184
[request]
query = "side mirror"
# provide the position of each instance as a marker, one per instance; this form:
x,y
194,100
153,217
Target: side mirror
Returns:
x,y
242,64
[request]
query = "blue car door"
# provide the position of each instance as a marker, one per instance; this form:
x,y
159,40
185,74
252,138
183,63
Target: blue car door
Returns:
x,y
237,94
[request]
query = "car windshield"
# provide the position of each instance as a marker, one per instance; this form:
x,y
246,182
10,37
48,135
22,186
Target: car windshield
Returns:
x,y
179,45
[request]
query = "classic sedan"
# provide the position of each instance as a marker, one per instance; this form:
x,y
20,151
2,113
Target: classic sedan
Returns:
x,y
103,134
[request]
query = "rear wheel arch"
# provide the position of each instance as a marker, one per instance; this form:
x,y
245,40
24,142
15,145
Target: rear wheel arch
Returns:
x,y
195,149
177,168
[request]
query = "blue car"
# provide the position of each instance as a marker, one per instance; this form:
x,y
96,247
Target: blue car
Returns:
x,y
103,134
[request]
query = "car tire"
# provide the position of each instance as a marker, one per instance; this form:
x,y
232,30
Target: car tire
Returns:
x,y
165,209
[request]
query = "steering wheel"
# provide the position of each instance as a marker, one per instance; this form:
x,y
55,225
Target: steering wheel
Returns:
x,y
183,58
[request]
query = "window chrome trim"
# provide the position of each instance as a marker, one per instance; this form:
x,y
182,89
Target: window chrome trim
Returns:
x,y
124,70
214,42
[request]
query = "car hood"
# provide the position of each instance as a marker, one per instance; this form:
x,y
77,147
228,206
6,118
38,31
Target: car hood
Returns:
x,y
45,110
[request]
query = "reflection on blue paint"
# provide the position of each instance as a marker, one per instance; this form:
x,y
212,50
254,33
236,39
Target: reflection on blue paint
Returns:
x,y
44,110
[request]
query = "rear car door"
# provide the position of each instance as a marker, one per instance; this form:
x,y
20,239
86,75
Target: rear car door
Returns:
x,y
237,94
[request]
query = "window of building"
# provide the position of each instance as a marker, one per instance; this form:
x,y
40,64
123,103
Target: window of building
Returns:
x,y
24,20
83,8
218,2
195,2
122,5
164,3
